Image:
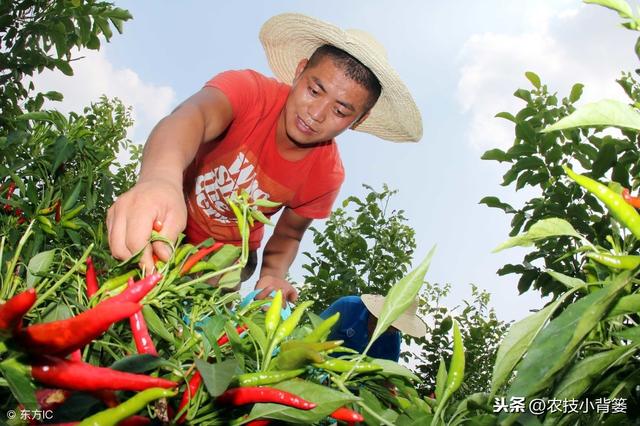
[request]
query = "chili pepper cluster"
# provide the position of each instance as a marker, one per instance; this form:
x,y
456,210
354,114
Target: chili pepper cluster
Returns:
x,y
42,350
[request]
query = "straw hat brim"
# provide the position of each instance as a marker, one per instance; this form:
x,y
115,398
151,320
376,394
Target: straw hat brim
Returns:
x,y
290,37
408,323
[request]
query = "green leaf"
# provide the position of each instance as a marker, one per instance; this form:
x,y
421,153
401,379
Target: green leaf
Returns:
x,y
64,150
36,116
400,297
20,383
568,281
608,112
391,368
576,92
533,78
39,265
607,158
139,363
632,334
558,342
517,341
495,202
589,371
260,217
262,202
327,399
546,228
230,279
53,95
155,324
620,6
495,154
59,312
506,116
218,376
626,305
257,334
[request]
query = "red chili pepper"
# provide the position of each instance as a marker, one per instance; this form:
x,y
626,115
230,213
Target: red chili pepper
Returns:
x,y
137,290
192,388
81,376
259,422
12,311
10,191
224,339
347,415
157,225
76,355
91,279
634,201
65,336
198,256
251,395
141,336
58,208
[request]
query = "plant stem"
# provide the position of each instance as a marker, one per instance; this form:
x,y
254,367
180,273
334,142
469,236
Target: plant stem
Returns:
x,y
364,406
64,278
7,288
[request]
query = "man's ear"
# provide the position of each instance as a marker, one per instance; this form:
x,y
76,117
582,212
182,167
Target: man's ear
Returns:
x,y
301,65
359,121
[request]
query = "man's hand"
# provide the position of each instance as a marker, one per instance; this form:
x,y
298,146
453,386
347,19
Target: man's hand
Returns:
x,y
269,284
131,218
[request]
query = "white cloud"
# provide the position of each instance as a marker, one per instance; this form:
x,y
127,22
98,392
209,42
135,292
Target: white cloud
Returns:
x,y
563,47
94,76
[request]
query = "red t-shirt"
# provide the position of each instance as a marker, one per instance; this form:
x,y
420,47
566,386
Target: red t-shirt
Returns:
x,y
246,156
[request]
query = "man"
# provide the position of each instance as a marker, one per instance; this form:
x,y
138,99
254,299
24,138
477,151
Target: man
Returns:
x,y
359,317
275,140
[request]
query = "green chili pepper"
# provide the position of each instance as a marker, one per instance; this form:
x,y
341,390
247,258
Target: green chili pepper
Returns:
x,y
44,221
272,317
73,213
73,197
623,212
113,416
617,262
342,366
321,332
315,346
267,378
297,358
342,349
118,281
456,368
182,252
287,326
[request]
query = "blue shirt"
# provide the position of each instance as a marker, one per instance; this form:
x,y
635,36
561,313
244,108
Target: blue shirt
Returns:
x,y
352,327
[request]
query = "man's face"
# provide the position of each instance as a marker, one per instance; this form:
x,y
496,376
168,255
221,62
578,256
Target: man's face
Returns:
x,y
323,103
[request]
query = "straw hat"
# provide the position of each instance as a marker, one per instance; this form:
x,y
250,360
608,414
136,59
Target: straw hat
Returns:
x,y
290,37
409,322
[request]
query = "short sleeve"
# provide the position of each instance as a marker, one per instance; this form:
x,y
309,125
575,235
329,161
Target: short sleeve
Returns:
x,y
240,88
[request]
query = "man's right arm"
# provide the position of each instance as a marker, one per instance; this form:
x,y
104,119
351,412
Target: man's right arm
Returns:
x,y
158,194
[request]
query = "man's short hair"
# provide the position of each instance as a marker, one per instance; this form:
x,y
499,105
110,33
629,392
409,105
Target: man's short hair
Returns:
x,y
353,68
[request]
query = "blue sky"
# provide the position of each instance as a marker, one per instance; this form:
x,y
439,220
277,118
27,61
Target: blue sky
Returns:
x,y
462,61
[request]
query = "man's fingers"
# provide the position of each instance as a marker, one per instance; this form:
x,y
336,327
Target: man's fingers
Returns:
x,y
146,261
292,295
264,293
139,230
117,234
